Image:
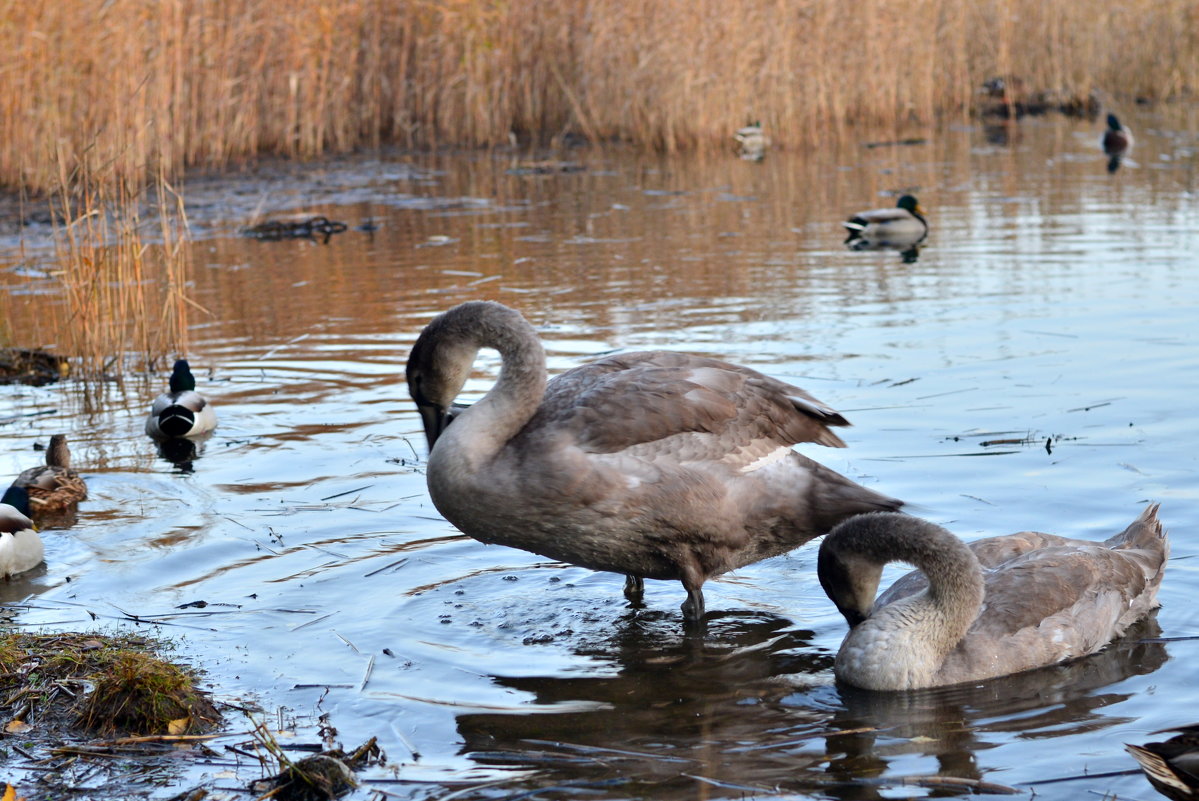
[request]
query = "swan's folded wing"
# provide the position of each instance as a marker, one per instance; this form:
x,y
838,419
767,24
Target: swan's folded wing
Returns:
x,y
691,407
1084,590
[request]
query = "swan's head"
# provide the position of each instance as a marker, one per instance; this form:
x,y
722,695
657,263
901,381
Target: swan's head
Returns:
x,y
437,369
848,569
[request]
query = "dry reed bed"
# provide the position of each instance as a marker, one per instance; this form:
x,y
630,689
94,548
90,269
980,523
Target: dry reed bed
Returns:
x,y
107,104
145,85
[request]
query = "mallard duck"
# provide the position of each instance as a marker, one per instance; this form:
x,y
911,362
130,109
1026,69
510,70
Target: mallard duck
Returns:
x,y
54,488
1172,766
753,141
1116,141
902,226
1047,599
20,546
655,465
181,412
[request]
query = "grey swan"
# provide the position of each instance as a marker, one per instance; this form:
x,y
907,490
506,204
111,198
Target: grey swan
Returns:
x,y
999,606
655,465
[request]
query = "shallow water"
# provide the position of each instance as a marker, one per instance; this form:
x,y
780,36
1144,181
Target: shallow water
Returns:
x,y
1052,301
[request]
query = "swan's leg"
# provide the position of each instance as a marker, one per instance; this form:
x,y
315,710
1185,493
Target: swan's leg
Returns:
x,y
693,582
634,589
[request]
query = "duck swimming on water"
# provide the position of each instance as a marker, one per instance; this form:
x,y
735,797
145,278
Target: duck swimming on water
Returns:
x,y
904,225
53,488
21,548
999,606
656,464
180,412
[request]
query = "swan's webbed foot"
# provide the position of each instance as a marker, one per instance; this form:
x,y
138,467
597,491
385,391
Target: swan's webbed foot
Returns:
x,y
634,589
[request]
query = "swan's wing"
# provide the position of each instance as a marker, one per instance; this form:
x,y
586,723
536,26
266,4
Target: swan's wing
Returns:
x,y
1087,588
697,409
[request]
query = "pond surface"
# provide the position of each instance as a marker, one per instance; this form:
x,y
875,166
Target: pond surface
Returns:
x,y
1053,302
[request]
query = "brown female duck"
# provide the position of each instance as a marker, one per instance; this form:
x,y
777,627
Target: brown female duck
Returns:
x,y
54,488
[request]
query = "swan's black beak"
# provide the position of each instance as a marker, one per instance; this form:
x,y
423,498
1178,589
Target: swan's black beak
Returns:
x,y
853,617
435,419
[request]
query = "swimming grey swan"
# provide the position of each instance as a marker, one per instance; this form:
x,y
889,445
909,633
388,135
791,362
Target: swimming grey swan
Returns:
x,y
20,546
181,412
656,465
53,488
998,606
903,225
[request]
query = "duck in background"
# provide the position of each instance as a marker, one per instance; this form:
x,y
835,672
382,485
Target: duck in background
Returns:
x,y
655,465
752,141
1041,600
1117,142
180,412
1172,766
54,489
20,546
898,228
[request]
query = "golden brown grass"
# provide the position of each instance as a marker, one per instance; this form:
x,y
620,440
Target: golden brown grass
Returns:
x,y
151,85
105,105
123,281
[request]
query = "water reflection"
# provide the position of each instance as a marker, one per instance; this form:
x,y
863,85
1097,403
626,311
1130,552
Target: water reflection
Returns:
x,y
750,709
1055,303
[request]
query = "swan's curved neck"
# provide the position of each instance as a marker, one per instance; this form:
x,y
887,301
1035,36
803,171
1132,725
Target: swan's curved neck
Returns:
x,y
481,431
853,555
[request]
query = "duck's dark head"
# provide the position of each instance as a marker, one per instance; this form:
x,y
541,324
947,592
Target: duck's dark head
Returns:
x,y
182,379
17,498
909,203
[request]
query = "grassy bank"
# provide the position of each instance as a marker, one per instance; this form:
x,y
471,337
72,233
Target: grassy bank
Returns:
x,y
143,85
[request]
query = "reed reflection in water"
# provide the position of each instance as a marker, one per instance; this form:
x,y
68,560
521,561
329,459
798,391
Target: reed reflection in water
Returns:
x,y
1051,302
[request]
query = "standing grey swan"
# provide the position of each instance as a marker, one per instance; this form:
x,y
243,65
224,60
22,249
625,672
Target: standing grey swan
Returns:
x,y
998,606
656,465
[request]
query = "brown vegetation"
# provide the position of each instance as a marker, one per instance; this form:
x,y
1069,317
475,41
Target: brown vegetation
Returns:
x,y
43,676
106,105
144,86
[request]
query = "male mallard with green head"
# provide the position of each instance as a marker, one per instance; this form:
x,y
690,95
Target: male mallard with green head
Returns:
x,y
1117,142
902,225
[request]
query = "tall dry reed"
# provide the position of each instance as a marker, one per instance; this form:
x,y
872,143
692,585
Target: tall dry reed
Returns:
x,y
153,85
122,275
